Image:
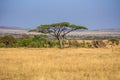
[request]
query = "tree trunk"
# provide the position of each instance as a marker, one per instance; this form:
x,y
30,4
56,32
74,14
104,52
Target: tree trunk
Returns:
x,y
61,43
61,39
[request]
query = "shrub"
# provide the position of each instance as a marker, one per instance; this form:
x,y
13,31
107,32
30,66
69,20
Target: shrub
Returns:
x,y
2,45
40,37
52,43
88,45
41,40
35,44
25,42
8,41
114,41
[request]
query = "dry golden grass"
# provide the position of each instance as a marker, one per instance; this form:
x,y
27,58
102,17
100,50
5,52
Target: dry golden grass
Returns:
x,y
57,64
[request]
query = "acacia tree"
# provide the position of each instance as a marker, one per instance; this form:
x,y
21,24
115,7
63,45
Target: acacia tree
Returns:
x,y
59,30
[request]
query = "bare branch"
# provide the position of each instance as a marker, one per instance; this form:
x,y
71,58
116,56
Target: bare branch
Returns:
x,y
70,31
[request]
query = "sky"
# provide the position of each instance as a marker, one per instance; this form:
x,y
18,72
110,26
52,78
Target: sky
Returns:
x,y
28,14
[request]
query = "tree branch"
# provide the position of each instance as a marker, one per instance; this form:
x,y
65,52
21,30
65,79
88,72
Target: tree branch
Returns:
x,y
70,31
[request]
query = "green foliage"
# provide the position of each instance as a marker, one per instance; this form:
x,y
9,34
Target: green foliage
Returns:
x,y
38,41
8,41
35,44
114,41
33,30
40,38
59,30
43,41
25,42
2,45
53,43
77,27
45,26
96,38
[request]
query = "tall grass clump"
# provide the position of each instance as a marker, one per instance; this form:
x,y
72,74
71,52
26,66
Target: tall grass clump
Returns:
x,y
98,44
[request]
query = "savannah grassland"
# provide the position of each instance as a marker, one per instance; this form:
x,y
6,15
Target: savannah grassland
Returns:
x,y
57,64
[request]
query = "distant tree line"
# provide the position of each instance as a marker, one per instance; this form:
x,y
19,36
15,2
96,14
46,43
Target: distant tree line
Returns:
x,y
43,41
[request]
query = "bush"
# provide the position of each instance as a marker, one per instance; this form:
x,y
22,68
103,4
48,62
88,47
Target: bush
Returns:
x,y
8,41
88,45
38,41
2,45
41,40
114,41
25,42
52,43
35,44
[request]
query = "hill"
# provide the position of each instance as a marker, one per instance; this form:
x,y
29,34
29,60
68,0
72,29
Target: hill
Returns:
x,y
6,27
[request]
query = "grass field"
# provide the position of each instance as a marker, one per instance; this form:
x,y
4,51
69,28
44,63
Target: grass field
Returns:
x,y
57,64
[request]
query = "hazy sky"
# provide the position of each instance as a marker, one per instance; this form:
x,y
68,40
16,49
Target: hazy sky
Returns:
x,y
94,14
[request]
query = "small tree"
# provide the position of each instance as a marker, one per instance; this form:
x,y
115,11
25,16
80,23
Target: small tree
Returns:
x,y
59,30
